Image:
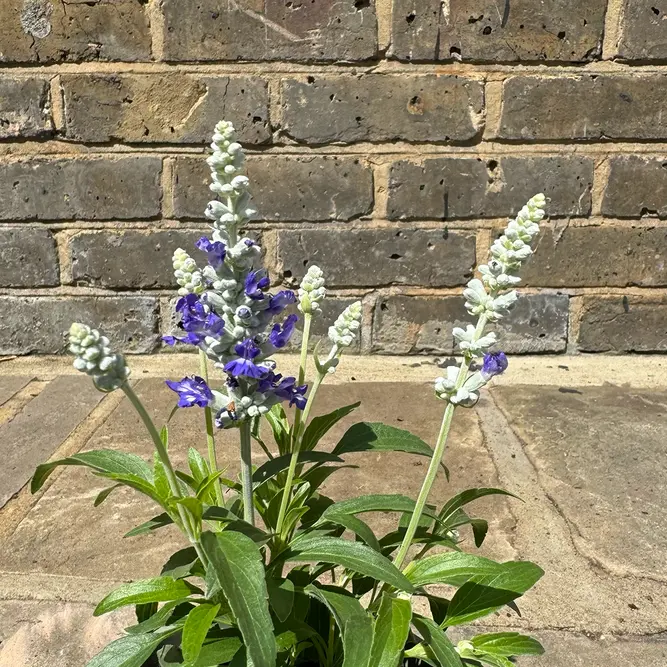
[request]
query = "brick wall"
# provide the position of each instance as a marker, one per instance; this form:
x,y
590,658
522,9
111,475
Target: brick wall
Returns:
x,y
388,143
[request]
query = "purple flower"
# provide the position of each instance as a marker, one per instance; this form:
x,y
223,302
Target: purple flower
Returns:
x,y
245,366
249,243
495,363
284,388
215,251
197,320
256,283
191,391
280,335
280,301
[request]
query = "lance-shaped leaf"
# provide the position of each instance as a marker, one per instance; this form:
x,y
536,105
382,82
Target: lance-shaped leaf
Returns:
x,y
238,568
277,465
354,623
321,424
459,500
374,436
453,568
159,589
484,594
360,528
507,644
131,650
218,652
156,522
196,627
437,641
352,555
392,502
391,630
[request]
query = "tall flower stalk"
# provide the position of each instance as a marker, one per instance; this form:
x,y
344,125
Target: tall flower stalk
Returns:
x,y
488,299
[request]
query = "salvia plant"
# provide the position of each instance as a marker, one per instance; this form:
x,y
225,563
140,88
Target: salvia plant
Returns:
x,y
275,573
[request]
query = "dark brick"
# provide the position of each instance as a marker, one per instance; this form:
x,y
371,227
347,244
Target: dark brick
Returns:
x,y
623,323
643,30
28,257
417,324
24,107
382,107
84,189
131,259
40,324
451,188
270,30
637,186
584,107
181,108
285,188
377,257
486,31
42,31
423,324
599,257
537,323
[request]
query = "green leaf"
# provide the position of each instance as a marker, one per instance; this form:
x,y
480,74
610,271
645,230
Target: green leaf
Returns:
x,y
436,639
218,652
130,651
156,522
195,630
356,626
156,621
161,481
374,503
484,594
181,563
357,526
366,436
108,461
423,653
194,506
238,567
320,425
466,497
275,466
206,489
453,568
215,513
159,589
281,597
507,644
391,630
280,426
104,494
352,555
198,465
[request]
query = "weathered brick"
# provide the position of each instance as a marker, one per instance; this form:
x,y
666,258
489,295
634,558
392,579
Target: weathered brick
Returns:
x,y
584,107
40,324
180,108
130,259
377,257
623,323
24,107
537,323
470,30
84,189
643,30
599,257
43,31
284,188
28,257
637,186
382,107
423,324
270,30
451,188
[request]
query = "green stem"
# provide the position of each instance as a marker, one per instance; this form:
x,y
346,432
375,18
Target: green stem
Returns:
x,y
210,439
307,318
287,491
437,457
185,516
246,473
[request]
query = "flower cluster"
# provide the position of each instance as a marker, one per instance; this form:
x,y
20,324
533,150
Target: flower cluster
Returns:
x,y
94,357
226,308
312,291
489,299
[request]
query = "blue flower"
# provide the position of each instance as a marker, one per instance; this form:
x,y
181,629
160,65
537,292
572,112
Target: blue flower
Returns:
x,y
191,391
215,251
197,320
256,283
283,388
245,366
280,335
495,363
280,301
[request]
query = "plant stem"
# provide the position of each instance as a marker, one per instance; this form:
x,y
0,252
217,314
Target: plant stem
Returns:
x,y
210,439
186,518
307,318
437,457
287,491
246,473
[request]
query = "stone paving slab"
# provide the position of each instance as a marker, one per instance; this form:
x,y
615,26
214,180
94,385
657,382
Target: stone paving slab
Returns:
x,y
11,384
39,429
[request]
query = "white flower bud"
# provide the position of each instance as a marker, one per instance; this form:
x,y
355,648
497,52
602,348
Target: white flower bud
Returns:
x,y
187,275
344,330
312,291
